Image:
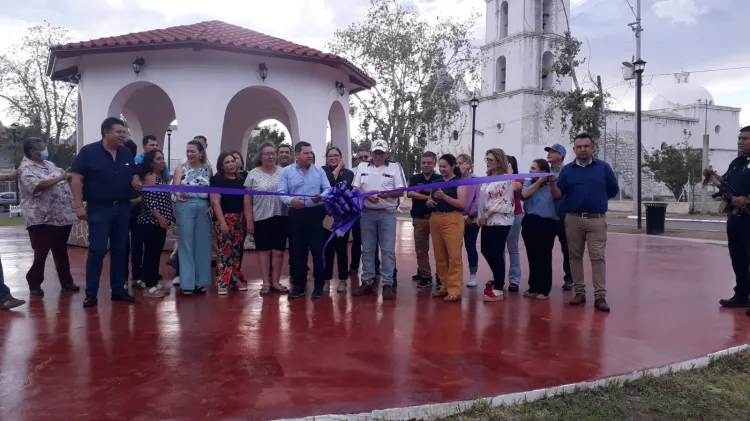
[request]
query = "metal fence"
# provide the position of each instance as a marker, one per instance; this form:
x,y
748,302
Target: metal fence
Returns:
x,y
7,186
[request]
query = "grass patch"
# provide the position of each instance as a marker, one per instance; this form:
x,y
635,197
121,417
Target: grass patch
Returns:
x,y
720,391
16,221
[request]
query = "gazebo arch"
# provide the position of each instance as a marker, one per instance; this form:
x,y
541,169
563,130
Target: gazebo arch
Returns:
x,y
338,122
248,108
147,108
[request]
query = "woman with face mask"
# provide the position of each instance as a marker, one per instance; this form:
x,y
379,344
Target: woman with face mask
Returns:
x,y
48,212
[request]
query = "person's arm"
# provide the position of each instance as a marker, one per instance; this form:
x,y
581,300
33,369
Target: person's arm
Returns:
x,y
501,203
9,177
530,188
556,193
336,171
399,182
357,180
79,170
611,179
562,181
33,183
216,205
284,187
247,203
458,202
325,185
176,182
517,185
416,194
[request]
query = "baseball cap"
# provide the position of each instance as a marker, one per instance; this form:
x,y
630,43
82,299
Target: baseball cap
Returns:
x,y
379,145
556,148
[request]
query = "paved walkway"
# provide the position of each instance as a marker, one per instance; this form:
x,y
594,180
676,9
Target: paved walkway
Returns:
x,y
242,357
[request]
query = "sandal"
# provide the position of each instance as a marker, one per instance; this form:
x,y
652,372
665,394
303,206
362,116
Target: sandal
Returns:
x,y
452,297
265,290
187,292
281,289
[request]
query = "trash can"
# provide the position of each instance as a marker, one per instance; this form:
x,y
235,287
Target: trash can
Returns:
x,y
656,214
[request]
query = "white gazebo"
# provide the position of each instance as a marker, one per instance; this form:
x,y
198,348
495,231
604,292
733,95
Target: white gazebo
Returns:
x,y
217,80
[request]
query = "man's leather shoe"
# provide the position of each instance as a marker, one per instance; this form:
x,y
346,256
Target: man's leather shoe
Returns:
x,y
601,304
123,297
317,293
363,289
36,292
734,302
296,293
90,301
578,300
389,293
71,287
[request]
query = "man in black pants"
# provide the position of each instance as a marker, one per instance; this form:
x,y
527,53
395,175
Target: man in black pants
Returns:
x,y
738,221
305,218
556,157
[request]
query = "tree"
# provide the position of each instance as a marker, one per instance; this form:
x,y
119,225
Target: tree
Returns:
x,y
269,133
580,109
675,166
420,67
33,99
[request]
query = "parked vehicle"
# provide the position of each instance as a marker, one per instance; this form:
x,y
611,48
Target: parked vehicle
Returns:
x,y
6,200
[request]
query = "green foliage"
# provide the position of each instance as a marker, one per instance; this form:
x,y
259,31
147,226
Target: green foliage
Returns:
x,y
46,108
675,166
61,154
270,133
580,109
420,67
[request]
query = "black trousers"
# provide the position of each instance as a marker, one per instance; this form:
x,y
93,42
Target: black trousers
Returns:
x,y
306,236
492,245
738,234
560,234
539,238
154,238
356,256
338,247
135,247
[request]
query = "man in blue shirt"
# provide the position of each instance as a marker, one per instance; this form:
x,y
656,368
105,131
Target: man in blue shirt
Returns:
x,y
587,184
305,218
151,144
103,177
555,157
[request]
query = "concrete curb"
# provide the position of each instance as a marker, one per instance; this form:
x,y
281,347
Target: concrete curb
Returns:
x,y
440,410
643,218
690,240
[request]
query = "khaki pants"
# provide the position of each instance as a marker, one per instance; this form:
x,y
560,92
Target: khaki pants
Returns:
x,y
591,232
422,245
447,230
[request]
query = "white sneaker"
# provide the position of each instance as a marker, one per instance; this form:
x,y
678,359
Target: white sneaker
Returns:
x,y
472,282
176,280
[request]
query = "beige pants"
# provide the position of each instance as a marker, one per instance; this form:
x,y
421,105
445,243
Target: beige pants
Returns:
x,y
591,232
422,245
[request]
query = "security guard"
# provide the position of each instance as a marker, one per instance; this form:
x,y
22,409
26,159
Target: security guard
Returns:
x,y
738,226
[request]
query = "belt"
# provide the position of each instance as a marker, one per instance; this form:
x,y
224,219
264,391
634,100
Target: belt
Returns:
x,y
379,209
421,217
111,203
588,215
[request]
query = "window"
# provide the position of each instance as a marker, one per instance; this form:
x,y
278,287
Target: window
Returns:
x,y
500,74
717,129
548,76
503,29
547,16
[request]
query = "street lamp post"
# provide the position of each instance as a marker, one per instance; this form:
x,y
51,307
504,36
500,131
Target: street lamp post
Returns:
x,y
13,130
169,147
638,66
474,102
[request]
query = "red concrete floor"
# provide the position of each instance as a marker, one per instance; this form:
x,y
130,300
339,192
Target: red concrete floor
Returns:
x,y
242,357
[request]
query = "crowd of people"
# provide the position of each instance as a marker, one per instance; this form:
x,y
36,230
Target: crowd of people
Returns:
x,y
104,187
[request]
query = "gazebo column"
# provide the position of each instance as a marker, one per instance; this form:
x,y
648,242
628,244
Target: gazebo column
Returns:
x,y
196,118
311,124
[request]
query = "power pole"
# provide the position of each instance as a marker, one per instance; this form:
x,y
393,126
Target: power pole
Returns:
x,y
638,66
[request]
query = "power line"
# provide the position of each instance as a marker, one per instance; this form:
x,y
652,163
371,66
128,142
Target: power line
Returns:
x,y
590,9
700,71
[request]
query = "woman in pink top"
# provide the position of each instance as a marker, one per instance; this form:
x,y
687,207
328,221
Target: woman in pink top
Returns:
x,y
471,229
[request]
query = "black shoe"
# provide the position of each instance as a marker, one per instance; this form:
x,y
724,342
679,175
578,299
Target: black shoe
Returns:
x,y
317,293
513,288
389,292
747,312
353,270
416,277
734,302
90,301
567,286
425,282
71,288
296,293
8,302
123,297
159,277
36,292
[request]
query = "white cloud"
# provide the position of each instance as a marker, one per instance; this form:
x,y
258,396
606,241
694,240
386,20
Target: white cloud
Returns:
x,y
680,11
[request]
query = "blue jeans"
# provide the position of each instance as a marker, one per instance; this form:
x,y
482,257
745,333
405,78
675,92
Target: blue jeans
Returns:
x,y
194,243
107,223
471,232
514,255
4,290
378,231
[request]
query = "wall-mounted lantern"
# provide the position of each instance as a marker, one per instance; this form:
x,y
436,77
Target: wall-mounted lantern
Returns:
x,y
138,65
340,86
263,69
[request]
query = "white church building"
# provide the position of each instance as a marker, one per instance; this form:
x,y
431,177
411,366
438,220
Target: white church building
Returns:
x,y
511,101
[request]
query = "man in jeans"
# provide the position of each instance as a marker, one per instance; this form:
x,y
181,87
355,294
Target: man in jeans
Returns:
x,y
378,220
587,184
556,156
420,218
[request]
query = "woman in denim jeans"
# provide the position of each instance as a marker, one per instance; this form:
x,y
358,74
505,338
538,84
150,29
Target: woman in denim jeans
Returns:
x,y
471,229
514,255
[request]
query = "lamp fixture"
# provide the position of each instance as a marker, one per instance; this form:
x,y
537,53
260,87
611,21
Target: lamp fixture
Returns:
x,y
138,64
14,127
474,101
263,69
340,86
639,66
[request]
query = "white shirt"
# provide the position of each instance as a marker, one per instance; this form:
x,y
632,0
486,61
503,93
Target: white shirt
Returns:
x,y
388,176
497,197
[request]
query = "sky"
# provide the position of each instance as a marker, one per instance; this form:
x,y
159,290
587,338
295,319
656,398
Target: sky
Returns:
x,y
694,35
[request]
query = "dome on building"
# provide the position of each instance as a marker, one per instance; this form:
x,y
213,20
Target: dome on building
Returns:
x,y
681,93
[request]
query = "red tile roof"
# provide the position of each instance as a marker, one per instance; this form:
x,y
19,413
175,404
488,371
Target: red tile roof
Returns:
x,y
211,34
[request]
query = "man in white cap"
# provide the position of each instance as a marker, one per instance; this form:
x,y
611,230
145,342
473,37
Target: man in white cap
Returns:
x,y
378,220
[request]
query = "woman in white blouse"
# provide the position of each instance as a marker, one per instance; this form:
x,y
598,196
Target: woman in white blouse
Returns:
x,y
495,211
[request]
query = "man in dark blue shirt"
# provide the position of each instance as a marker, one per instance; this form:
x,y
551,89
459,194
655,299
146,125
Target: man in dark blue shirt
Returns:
x,y
738,225
587,184
103,177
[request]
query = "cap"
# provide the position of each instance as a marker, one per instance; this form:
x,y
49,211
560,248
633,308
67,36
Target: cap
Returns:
x,y
379,145
556,148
